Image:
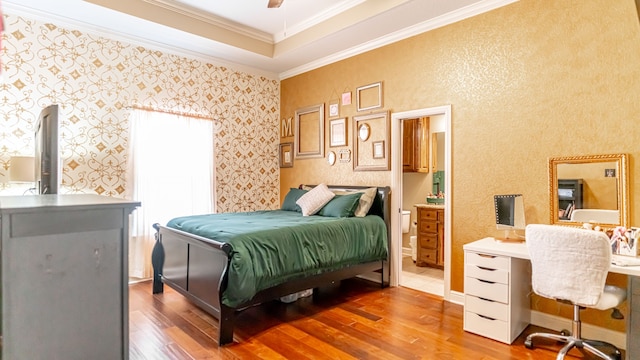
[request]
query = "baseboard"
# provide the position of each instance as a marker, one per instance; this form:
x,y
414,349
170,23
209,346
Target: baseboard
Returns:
x,y
456,297
406,251
557,323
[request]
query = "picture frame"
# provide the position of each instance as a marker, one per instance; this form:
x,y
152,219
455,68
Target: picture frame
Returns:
x,y
369,97
334,109
338,132
378,149
372,157
309,132
285,155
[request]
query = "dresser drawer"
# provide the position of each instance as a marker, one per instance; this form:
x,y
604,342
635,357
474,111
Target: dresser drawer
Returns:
x,y
488,290
429,256
483,273
429,241
492,309
427,226
486,326
487,261
429,214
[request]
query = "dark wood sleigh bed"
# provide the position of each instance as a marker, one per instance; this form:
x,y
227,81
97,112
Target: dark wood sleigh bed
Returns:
x,y
197,267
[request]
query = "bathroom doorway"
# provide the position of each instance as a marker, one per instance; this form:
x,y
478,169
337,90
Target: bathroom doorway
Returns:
x,y
423,269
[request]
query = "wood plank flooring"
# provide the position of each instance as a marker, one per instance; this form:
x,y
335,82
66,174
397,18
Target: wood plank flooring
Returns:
x,y
355,320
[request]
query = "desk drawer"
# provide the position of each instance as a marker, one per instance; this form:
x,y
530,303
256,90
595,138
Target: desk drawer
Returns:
x,y
492,309
483,273
488,290
485,326
487,261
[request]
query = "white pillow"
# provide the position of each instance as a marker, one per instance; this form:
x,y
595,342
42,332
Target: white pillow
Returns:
x,y
366,200
315,199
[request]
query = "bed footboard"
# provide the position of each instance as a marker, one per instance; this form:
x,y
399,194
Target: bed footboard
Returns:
x,y
193,266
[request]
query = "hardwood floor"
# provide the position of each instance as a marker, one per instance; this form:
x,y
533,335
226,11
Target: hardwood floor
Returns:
x,y
355,320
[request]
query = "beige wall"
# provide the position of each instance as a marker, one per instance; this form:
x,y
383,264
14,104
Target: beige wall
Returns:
x,y
96,80
529,81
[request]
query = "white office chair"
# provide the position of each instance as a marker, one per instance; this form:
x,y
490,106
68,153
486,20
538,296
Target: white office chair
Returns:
x,y
571,264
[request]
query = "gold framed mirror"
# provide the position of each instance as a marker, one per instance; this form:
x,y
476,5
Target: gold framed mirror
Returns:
x,y
589,189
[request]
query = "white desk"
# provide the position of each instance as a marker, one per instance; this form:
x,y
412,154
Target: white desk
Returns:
x,y
490,246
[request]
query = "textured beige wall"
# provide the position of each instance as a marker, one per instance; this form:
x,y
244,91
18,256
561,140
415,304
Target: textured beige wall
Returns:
x,y
529,81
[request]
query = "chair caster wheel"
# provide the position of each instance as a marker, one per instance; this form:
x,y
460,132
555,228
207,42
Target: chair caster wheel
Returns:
x,y
565,332
528,344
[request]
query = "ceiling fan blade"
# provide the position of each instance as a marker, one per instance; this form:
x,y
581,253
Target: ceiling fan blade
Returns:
x,y
274,4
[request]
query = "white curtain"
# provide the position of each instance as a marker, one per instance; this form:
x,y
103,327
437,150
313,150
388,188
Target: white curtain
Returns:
x,y
170,171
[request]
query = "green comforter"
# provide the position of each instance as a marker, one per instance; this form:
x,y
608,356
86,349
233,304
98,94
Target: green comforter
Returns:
x,y
272,247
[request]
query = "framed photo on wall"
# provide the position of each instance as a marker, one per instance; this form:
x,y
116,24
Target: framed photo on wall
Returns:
x,y
286,155
338,132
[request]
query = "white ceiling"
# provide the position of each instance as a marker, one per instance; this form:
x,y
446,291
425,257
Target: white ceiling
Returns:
x,y
299,36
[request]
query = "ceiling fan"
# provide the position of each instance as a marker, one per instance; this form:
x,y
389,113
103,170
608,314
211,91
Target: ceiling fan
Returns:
x,y
274,4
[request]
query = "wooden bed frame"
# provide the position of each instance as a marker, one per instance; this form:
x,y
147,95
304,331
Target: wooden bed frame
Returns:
x,y
201,275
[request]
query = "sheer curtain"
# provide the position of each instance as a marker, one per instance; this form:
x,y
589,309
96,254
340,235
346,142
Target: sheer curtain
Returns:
x,y
170,171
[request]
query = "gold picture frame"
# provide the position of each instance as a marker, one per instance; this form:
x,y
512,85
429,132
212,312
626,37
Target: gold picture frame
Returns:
x,y
309,132
374,156
286,155
369,97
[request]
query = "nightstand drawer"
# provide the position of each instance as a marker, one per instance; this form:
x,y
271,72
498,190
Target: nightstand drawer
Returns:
x,y
483,273
486,326
492,309
488,290
487,261
429,241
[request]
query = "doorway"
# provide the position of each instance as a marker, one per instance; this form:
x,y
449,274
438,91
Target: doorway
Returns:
x,y
397,204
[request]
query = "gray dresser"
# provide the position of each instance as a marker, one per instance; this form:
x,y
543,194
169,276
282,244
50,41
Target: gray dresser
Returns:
x,y
64,271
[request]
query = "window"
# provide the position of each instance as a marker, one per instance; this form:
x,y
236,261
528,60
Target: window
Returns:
x,y
170,171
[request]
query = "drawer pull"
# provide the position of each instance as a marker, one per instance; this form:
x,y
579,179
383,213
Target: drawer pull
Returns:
x,y
486,281
485,299
485,268
487,256
486,317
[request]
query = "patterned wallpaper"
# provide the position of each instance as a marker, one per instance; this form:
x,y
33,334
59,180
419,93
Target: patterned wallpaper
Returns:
x,y
96,81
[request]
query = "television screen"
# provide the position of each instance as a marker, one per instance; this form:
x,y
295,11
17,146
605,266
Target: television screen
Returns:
x,y
47,162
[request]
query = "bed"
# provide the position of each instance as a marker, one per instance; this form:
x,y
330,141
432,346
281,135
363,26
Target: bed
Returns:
x,y
224,270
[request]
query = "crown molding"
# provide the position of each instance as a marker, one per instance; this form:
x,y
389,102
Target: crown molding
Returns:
x,y
440,21
212,19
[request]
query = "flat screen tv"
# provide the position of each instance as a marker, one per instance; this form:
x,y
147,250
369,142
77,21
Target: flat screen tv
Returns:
x,y
47,159
509,210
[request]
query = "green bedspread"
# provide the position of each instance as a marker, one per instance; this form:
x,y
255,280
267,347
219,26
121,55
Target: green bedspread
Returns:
x,y
274,246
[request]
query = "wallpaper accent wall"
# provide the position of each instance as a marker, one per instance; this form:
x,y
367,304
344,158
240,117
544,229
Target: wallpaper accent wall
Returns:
x,y
96,81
